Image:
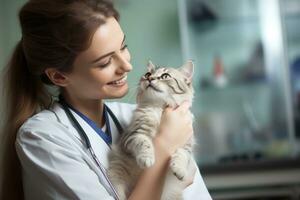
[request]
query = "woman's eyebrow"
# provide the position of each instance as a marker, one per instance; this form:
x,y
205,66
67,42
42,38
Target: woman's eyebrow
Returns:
x,y
108,54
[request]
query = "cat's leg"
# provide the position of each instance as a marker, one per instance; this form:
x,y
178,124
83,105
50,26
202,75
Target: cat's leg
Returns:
x,y
173,198
119,184
179,197
119,172
174,195
180,161
121,190
141,147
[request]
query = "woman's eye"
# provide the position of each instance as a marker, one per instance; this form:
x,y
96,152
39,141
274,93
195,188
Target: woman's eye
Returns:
x,y
105,64
147,75
165,75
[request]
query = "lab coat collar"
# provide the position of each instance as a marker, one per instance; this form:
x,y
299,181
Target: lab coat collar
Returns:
x,y
99,146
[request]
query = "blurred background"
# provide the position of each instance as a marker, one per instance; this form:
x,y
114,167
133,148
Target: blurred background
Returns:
x,y
246,81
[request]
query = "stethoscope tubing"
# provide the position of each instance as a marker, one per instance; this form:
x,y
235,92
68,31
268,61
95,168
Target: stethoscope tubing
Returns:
x,y
88,143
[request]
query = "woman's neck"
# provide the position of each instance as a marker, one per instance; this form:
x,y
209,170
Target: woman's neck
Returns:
x,y
93,109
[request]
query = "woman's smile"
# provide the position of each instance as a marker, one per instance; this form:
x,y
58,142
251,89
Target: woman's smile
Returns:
x,y
88,80
120,82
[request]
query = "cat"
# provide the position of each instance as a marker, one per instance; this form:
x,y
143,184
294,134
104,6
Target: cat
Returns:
x,y
158,88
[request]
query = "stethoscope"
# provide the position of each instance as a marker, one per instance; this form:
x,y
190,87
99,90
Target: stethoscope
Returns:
x,y
106,111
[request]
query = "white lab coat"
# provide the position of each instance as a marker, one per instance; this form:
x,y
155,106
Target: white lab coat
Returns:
x,y
57,165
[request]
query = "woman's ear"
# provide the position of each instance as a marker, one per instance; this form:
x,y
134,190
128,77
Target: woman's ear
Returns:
x,y
57,78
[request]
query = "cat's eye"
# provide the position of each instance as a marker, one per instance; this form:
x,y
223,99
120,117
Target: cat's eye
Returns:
x,y
165,75
147,75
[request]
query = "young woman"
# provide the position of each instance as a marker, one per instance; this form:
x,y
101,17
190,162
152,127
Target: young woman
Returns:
x,y
58,149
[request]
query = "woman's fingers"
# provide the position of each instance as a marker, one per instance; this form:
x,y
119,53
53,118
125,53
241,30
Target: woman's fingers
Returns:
x,y
184,107
175,127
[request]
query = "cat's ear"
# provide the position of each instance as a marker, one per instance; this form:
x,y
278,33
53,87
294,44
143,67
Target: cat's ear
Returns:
x,y
150,66
187,70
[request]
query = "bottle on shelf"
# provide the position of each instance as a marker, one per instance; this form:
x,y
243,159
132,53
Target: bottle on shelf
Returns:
x,y
219,76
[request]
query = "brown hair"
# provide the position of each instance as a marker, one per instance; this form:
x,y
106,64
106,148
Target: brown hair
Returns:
x,y
54,32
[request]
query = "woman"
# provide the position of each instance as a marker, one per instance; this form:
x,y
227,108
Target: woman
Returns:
x,y
79,47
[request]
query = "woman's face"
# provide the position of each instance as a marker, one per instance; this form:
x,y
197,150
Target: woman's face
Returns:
x,y
100,72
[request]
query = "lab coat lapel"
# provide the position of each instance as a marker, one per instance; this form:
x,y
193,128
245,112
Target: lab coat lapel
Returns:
x,y
65,121
99,146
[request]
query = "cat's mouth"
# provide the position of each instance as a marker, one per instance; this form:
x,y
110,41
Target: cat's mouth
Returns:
x,y
153,87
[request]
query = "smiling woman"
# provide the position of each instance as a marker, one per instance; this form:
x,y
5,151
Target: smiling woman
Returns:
x,y
99,72
60,148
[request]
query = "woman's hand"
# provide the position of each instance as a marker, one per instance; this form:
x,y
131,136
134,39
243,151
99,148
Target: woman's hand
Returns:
x,y
175,128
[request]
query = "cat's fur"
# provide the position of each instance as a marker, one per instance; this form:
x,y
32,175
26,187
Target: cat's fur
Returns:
x,y
135,150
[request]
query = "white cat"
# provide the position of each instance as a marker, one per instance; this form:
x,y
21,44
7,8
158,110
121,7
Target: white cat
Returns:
x,y
158,87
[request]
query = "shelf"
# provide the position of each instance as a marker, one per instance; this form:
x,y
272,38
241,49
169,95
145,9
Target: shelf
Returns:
x,y
234,85
252,175
251,55
249,166
232,97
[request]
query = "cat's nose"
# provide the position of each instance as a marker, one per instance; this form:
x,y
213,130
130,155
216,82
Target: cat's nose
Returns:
x,y
150,79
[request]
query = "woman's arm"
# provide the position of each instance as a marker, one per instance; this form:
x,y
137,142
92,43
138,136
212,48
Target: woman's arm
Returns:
x,y
150,183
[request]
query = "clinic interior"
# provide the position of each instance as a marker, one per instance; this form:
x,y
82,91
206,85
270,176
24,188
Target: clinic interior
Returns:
x,y
246,81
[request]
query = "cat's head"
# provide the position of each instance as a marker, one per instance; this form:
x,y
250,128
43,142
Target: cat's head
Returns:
x,y
161,86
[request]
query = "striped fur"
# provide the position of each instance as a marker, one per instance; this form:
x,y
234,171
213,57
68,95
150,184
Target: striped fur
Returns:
x,y
135,151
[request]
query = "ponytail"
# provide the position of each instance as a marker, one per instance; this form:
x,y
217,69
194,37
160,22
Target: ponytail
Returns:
x,y
53,34
25,95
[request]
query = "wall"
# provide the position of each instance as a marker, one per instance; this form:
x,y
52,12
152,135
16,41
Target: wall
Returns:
x,y
152,32
9,36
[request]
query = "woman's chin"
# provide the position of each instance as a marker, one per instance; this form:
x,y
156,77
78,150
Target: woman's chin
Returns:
x,y
118,92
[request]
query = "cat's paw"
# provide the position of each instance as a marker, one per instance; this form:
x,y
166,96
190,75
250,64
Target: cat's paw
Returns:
x,y
179,171
179,162
145,161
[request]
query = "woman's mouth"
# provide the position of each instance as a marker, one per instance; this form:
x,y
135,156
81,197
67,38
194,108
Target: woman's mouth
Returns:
x,y
119,82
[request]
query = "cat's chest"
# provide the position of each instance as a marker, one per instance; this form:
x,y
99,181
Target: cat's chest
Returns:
x,y
150,115
156,117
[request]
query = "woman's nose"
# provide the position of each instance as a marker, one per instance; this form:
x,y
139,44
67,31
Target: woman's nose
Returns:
x,y
124,64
